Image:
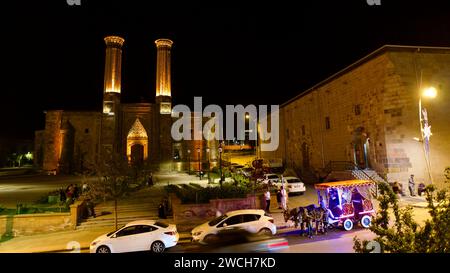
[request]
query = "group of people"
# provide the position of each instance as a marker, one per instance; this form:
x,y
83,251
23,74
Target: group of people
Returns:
x,y
72,192
282,198
397,187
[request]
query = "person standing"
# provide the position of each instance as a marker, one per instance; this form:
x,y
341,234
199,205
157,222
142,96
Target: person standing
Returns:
x,y
267,198
279,198
412,185
283,198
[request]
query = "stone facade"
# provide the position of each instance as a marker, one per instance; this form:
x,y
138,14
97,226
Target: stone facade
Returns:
x,y
137,132
368,114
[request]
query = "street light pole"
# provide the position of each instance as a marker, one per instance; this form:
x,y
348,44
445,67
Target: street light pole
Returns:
x,y
189,153
220,164
199,164
207,154
425,131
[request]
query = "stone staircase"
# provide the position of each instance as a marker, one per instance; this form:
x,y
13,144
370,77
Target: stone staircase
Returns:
x,y
367,174
142,205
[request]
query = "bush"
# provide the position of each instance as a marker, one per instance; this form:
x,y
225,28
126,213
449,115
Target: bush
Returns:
x,y
194,193
405,235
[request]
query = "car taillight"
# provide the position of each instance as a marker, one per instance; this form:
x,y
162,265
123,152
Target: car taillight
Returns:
x,y
170,233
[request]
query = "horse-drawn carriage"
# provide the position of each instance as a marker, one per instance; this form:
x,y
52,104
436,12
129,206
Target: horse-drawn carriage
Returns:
x,y
347,202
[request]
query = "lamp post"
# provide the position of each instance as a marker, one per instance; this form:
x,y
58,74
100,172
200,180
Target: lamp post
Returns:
x,y
425,128
247,117
189,154
207,154
220,164
199,164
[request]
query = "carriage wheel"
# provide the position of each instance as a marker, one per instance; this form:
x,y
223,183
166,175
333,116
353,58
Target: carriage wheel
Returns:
x,y
348,224
366,221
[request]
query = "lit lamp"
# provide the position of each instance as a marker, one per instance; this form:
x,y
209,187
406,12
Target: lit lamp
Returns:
x,y
425,128
189,166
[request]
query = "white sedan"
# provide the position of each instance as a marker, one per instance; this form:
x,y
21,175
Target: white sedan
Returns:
x,y
252,220
141,235
293,185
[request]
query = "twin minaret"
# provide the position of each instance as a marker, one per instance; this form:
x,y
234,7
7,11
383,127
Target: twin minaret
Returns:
x,y
113,67
111,135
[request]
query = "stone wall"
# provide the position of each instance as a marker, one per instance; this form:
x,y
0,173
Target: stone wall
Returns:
x,y
373,106
29,224
187,216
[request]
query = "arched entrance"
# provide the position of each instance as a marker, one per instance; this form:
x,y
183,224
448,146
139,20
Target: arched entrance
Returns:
x,y
137,143
137,154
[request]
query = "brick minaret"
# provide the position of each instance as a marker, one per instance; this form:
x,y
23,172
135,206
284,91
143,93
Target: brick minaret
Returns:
x,y
163,115
111,96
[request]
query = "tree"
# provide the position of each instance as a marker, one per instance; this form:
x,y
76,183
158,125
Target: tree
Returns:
x,y
404,234
113,180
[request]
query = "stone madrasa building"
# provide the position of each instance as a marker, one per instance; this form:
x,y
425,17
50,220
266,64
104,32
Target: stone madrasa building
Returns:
x,y
367,115
139,132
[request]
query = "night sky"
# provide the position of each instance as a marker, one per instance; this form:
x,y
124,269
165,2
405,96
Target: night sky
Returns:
x,y
266,53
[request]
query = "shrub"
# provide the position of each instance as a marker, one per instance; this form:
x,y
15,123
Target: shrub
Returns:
x,y
405,235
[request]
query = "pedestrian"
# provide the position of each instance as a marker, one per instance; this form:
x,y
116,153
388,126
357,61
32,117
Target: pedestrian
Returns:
x,y
90,208
76,191
150,180
267,198
322,202
62,195
412,185
161,211
284,198
279,198
84,188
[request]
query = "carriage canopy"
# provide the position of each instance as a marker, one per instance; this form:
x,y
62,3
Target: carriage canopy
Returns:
x,y
344,184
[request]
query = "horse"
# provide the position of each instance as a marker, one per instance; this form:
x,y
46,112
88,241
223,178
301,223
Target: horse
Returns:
x,y
319,217
292,215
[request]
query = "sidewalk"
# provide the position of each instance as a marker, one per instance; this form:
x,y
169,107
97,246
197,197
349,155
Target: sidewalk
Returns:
x,y
64,241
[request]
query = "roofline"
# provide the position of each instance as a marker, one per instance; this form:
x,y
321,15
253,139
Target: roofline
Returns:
x,y
364,59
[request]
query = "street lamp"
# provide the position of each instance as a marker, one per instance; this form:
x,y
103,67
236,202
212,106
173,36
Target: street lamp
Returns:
x,y
207,154
425,128
189,154
199,164
220,164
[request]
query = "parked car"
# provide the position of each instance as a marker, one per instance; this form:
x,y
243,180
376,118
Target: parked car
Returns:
x,y
269,179
293,185
143,235
252,220
241,241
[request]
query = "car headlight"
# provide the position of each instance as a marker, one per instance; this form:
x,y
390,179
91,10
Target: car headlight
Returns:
x,y
197,233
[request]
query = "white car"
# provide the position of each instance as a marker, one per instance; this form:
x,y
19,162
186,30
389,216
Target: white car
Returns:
x,y
269,178
140,235
252,220
293,185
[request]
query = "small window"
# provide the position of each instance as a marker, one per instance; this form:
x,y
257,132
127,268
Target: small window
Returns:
x,y
357,109
127,231
234,220
303,130
327,123
86,131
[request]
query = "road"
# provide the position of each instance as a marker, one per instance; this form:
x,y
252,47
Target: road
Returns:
x,y
28,189
335,241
